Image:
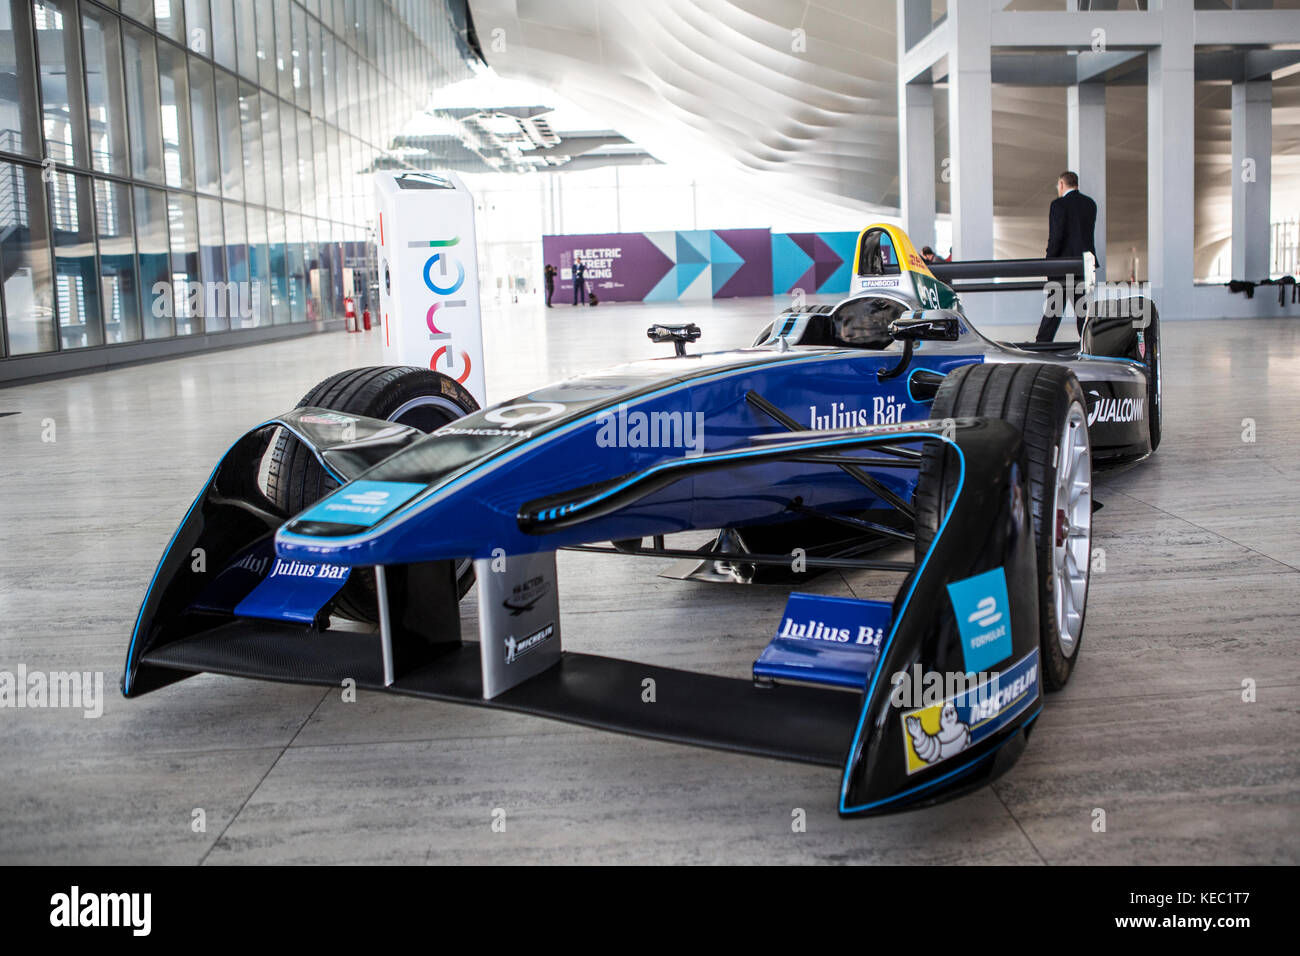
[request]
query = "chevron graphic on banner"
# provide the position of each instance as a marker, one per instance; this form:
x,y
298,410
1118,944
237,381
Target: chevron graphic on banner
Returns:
x,y
691,259
817,262
789,262
726,262
664,266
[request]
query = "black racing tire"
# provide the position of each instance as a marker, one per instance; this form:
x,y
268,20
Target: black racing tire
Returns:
x,y
1138,319
1151,337
1038,399
410,395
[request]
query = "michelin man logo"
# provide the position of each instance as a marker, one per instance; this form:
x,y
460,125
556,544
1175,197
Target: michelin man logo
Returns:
x,y
951,738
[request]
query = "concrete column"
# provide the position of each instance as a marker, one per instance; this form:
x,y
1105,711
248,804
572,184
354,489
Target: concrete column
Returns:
x,y
916,161
1252,179
1170,161
1086,152
970,128
915,130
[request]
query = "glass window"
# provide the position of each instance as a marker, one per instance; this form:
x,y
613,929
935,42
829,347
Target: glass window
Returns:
x,y
143,115
186,279
340,67
154,253
328,99
59,51
352,114
296,267
212,265
173,72
306,162
20,120
313,82
275,243
250,124
246,36
25,260
229,112
311,265
141,10
289,157
76,280
170,18
118,285
319,200
223,34
259,269
271,151
237,259
266,45
203,116
283,50
198,31
299,71
105,92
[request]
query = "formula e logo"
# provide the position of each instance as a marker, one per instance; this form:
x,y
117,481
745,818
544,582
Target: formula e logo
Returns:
x,y
523,413
1115,409
978,603
368,498
986,613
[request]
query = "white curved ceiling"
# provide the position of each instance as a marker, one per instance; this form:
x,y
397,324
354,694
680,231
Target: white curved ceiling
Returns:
x,y
721,83
732,85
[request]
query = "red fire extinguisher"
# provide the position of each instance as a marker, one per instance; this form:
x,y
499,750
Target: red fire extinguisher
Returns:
x,y
365,319
350,313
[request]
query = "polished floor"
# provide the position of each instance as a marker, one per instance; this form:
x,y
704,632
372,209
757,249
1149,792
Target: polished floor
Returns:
x,y
1200,598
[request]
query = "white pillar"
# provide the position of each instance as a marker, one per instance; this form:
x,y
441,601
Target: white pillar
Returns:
x,y
915,130
1170,162
916,161
1252,179
1086,152
970,128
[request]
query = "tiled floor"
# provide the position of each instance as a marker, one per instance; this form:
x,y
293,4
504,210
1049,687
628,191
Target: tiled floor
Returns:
x,y
1201,592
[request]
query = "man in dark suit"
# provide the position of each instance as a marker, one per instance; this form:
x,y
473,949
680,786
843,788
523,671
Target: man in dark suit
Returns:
x,y
579,282
1071,221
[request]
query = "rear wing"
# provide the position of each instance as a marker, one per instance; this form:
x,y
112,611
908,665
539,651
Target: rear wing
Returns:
x,y
957,274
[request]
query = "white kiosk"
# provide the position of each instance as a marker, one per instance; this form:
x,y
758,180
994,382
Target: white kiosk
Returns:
x,y
428,275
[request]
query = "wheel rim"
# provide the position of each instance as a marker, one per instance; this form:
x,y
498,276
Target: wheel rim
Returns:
x,y
1072,529
429,412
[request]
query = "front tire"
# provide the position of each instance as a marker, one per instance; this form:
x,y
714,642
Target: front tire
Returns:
x,y
408,395
1046,403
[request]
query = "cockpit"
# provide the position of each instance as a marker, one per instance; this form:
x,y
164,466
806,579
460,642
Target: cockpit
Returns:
x,y
877,255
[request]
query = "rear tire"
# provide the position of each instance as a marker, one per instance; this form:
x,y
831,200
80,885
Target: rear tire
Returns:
x,y
1130,328
409,395
1151,341
1046,403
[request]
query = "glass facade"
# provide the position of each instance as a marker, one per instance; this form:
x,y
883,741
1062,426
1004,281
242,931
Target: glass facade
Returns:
x,y
180,168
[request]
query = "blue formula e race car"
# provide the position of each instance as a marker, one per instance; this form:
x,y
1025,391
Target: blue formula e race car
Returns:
x,y
884,433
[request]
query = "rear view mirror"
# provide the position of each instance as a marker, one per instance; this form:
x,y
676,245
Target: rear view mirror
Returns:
x,y
930,325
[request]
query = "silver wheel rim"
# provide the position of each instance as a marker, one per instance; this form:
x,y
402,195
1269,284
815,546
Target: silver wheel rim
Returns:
x,y
1072,529
428,401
